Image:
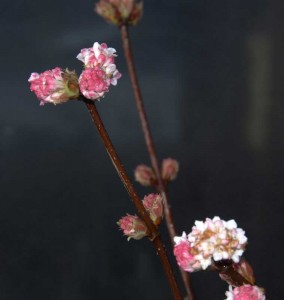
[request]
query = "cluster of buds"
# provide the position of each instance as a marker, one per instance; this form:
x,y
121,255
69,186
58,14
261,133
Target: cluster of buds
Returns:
x,y
245,292
55,86
58,86
209,241
120,12
133,227
146,176
100,70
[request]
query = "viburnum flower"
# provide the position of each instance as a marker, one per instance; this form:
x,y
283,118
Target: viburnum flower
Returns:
x,y
55,86
184,256
133,227
99,55
245,292
170,168
100,70
144,175
154,205
214,239
93,83
119,12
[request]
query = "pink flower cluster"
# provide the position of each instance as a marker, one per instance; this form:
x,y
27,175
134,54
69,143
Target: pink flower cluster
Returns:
x,y
58,86
100,70
133,227
213,239
245,292
54,86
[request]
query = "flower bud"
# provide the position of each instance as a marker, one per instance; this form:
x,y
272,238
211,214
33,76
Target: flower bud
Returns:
x,y
154,205
133,227
144,175
55,86
244,292
120,12
170,169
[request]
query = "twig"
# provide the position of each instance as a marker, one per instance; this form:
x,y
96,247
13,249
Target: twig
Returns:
x,y
150,145
154,234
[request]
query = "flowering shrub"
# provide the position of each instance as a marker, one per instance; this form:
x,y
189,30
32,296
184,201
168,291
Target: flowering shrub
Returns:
x,y
214,244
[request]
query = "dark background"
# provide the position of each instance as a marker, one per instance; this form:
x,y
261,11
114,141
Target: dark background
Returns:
x,y
212,79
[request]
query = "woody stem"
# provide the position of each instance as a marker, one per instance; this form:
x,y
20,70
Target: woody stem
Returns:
x,y
150,145
153,232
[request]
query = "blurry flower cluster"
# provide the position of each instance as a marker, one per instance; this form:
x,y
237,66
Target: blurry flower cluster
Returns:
x,y
58,86
120,12
146,176
213,239
245,292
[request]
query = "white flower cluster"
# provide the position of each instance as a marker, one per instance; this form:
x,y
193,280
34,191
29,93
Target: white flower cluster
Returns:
x,y
216,239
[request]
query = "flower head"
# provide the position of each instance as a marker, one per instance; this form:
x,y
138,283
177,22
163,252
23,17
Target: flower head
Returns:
x,y
54,86
245,292
93,83
100,70
144,175
133,227
216,240
170,168
119,12
154,205
185,259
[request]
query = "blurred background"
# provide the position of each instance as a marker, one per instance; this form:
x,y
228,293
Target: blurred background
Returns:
x,y
212,81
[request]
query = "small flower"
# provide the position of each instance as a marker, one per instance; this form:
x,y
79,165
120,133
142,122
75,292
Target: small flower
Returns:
x,y
144,175
215,240
55,86
170,168
245,292
119,12
154,205
182,252
133,227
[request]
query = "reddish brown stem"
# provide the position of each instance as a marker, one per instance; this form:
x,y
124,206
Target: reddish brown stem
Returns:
x,y
150,145
154,235
226,267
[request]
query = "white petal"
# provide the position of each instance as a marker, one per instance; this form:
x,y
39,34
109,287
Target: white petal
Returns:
x,y
231,224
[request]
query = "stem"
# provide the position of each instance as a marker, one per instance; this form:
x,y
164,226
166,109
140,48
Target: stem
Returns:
x,y
226,267
154,234
150,145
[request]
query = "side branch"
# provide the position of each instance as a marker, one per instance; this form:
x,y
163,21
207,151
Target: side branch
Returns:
x,y
150,144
